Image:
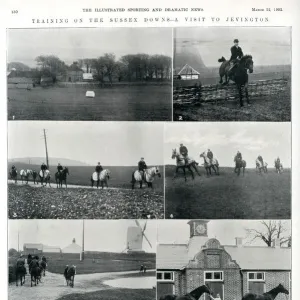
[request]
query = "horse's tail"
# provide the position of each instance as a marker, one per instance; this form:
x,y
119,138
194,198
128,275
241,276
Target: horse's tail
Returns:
x,y
132,177
222,59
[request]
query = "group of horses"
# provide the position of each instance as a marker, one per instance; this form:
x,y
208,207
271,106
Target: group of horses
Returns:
x,y
198,292
35,271
190,164
43,175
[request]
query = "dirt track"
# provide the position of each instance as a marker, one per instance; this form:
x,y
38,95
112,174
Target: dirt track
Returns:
x,y
54,286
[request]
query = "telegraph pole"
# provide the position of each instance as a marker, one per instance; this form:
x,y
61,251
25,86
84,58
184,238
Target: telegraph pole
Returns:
x,y
82,254
18,241
45,138
174,51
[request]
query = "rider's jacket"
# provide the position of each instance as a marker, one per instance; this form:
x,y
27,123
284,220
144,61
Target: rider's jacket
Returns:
x,y
98,169
236,52
142,165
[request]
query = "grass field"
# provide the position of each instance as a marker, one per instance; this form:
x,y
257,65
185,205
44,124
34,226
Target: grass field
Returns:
x,y
119,294
228,196
274,108
119,103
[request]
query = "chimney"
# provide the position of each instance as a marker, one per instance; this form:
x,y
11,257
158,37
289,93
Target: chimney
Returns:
x,y
74,241
276,243
239,242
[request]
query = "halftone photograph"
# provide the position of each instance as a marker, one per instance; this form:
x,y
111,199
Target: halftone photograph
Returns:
x,y
233,171
88,259
94,170
232,74
96,74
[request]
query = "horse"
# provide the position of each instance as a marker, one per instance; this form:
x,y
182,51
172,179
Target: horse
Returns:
x,y
34,176
210,164
14,175
182,163
61,177
239,74
104,176
148,177
29,260
278,167
43,266
20,273
193,295
25,175
271,295
35,274
45,177
240,164
261,166
70,276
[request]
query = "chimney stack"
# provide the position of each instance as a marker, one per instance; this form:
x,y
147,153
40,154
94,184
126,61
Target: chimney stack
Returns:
x,y
276,243
239,241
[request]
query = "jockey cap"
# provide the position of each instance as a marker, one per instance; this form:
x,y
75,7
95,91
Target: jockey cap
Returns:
x,y
98,163
236,41
142,158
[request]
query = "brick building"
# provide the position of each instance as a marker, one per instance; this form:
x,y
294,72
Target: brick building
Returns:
x,y
231,271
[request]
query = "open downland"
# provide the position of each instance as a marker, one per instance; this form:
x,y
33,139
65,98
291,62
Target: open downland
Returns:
x,y
27,202
120,294
228,196
125,103
274,108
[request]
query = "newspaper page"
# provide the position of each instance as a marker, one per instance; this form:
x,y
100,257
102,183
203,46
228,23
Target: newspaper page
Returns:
x,y
150,150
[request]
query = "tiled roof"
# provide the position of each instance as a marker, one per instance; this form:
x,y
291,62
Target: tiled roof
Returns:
x,y
33,246
172,256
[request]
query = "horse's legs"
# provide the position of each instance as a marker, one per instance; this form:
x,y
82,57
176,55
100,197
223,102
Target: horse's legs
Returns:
x,y
102,185
190,169
141,184
106,184
240,95
195,168
221,79
176,172
184,174
246,93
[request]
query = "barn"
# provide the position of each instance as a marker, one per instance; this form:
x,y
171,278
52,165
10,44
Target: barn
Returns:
x,y
229,270
72,248
188,73
32,248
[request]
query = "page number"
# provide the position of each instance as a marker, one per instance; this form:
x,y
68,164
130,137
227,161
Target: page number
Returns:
x,y
180,118
14,11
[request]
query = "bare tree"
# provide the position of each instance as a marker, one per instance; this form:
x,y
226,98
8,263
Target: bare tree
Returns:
x,y
271,230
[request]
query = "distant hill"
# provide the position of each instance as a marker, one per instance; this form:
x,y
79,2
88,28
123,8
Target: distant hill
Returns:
x,y
18,66
52,161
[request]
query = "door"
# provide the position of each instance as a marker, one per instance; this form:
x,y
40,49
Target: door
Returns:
x,y
256,287
216,288
164,289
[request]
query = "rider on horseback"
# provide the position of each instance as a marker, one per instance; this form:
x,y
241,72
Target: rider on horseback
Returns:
x,y
142,167
184,152
21,262
210,155
44,168
66,271
236,55
59,168
261,160
237,157
98,169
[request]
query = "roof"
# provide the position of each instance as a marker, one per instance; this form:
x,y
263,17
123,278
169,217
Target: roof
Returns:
x,y
72,248
188,70
171,256
261,258
87,76
74,67
33,246
175,257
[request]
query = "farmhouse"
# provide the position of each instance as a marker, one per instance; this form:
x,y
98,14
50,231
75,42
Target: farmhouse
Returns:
x,y
30,248
72,248
74,73
231,271
187,73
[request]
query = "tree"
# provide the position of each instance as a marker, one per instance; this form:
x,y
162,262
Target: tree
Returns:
x,y
51,64
271,230
99,65
85,63
109,60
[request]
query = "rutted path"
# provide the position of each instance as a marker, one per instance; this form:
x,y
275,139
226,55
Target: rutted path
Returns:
x,y
54,286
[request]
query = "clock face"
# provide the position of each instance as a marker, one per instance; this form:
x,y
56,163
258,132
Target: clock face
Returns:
x,y
200,229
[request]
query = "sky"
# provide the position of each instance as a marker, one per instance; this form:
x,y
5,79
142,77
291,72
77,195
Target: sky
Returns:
x,y
267,45
71,44
99,235
250,138
178,231
112,143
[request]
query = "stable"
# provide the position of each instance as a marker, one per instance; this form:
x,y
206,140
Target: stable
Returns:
x,y
230,271
188,73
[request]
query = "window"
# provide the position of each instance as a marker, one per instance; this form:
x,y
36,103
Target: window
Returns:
x,y
256,276
214,276
165,276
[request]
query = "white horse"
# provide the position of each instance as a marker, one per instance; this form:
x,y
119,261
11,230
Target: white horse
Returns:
x,y
184,162
278,166
261,166
210,164
148,176
45,177
25,174
103,178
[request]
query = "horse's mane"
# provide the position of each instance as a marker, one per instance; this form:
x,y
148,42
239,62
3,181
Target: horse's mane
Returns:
x,y
245,57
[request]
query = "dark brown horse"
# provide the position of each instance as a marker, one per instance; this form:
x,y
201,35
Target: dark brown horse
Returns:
x,y
271,295
238,75
193,295
61,177
20,274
